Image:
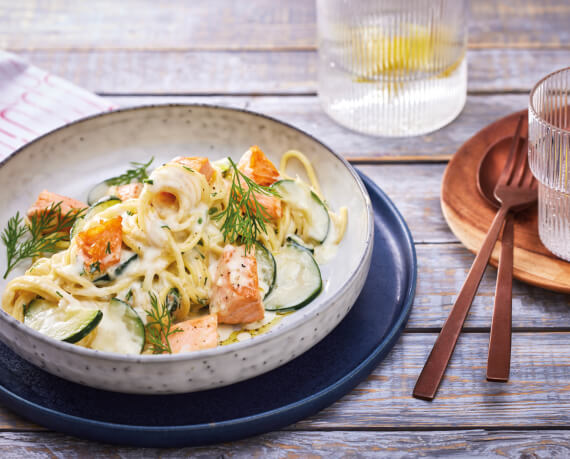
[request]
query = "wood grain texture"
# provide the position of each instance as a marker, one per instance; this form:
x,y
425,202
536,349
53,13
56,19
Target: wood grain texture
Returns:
x,y
260,72
537,393
414,188
519,23
443,264
331,445
470,216
305,113
442,269
259,24
151,24
536,396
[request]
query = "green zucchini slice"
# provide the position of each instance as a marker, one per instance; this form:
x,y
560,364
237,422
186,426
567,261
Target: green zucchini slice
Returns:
x,y
266,269
126,259
296,240
298,280
65,324
121,330
300,197
98,192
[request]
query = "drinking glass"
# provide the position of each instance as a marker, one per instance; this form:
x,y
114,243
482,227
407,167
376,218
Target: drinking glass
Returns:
x,y
549,154
392,67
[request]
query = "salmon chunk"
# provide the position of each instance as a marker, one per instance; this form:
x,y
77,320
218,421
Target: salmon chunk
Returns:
x,y
198,164
235,297
46,199
129,191
255,165
196,334
101,245
271,204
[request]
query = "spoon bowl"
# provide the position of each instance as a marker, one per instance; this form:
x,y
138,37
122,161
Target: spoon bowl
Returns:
x,y
490,167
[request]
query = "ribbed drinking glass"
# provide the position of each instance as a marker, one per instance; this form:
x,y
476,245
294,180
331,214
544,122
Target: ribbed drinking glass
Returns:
x,y
549,154
392,67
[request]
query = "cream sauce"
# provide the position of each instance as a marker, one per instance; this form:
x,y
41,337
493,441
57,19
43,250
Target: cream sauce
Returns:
x,y
113,335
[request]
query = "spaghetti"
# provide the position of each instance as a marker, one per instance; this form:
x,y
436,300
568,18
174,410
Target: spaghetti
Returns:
x,y
171,244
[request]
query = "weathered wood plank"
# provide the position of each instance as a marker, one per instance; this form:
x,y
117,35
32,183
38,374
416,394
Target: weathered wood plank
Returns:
x,y
511,70
332,445
536,394
442,269
519,23
305,112
414,188
443,266
148,24
225,24
263,72
535,397
182,72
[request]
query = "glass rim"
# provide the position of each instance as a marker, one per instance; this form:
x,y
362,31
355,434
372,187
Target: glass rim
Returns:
x,y
531,105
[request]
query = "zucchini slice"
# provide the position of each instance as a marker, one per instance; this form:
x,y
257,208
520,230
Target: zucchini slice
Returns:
x,y
98,192
99,206
126,259
296,240
266,269
65,324
121,330
298,280
300,197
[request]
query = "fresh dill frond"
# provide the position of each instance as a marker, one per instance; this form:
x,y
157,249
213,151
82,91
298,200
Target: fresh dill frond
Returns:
x,y
138,173
159,327
41,235
244,217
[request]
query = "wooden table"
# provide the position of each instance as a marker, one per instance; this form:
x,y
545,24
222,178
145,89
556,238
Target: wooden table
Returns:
x,y
261,55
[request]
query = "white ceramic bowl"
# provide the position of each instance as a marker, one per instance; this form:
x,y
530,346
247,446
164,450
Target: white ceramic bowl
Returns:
x,y
71,159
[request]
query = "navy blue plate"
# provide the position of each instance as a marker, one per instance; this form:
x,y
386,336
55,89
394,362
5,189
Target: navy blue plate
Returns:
x,y
268,402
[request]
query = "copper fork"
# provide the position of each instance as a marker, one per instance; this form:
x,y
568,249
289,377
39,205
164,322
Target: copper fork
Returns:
x,y
499,358
516,189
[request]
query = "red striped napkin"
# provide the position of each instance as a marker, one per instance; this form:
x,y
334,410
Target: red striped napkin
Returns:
x,y
33,102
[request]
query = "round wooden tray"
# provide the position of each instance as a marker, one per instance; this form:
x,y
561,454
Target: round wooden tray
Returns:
x,y
469,216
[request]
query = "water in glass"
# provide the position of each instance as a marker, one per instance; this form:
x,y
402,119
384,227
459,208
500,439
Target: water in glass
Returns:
x,y
392,68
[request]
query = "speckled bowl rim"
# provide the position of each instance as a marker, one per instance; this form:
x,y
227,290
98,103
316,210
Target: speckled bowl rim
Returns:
x,y
234,347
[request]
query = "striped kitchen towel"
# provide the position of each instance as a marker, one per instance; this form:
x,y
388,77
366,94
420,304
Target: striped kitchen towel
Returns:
x,y
33,102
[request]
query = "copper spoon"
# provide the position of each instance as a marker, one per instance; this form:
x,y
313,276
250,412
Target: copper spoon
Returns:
x,y
515,189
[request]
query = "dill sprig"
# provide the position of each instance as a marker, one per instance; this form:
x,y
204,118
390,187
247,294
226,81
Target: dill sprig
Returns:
x,y
41,235
244,217
137,174
159,327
